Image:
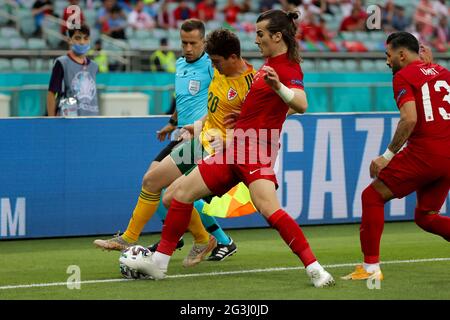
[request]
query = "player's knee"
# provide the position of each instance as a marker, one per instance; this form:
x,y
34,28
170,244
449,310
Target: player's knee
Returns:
x,y
149,182
167,198
371,197
183,193
424,219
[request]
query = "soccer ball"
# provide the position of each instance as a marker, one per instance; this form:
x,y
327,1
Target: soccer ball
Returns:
x,y
127,260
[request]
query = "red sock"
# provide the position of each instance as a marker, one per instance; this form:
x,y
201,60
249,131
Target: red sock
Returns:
x,y
434,223
372,224
292,234
175,226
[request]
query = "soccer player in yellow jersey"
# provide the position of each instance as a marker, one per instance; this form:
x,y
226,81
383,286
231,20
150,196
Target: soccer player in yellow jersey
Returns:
x,y
231,81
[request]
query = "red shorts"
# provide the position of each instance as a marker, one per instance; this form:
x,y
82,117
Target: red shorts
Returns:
x,y
428,175
220,176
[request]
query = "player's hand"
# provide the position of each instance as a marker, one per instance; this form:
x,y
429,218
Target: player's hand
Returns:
x,y
230,119
377,165
425,53
271,78
216,142
186,133
165,132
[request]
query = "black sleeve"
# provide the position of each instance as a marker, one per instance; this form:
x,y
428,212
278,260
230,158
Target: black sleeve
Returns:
x,y
56,79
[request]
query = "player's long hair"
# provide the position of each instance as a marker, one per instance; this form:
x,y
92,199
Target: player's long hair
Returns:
x,y
284,22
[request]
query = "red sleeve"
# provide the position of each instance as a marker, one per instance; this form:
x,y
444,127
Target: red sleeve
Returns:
x,y
292,76
402,91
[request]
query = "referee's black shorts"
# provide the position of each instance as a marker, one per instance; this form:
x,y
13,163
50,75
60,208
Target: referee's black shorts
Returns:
x,y
167,150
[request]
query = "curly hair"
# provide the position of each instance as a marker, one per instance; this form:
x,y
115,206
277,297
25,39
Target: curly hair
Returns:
x,y
224,43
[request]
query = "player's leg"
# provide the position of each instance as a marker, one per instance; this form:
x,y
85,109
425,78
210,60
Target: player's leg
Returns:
x,y
205,179
158,176
203,242
225,245
177,220
265,199
430,199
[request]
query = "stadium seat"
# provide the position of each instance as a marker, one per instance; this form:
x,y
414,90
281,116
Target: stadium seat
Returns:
x,y
350,65
213,25
380,65
308,65
8,32
149,44
159,33
19,64
174,34
377,36
324,65
367,65
336,65
36,43
26,21
5,65
90,15
135,44
142,34
17,43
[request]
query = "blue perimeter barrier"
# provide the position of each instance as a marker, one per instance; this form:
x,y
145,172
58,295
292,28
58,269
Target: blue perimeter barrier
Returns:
x,y
73,177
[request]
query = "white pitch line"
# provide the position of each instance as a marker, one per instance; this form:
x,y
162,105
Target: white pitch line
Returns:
x,y
211,274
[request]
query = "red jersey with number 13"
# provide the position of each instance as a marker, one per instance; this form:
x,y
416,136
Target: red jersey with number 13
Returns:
x,y
428,85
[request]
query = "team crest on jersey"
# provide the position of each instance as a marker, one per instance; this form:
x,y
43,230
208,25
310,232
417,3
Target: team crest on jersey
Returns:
x,y
194,87
231,94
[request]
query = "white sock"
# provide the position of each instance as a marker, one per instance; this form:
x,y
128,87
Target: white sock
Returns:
x,y
161,260
371,267
314,266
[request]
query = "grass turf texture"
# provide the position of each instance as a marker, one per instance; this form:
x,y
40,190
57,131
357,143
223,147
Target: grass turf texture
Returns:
x,y
46,261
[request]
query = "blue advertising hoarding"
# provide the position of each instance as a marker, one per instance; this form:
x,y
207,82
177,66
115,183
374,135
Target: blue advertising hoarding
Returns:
x,y
73,177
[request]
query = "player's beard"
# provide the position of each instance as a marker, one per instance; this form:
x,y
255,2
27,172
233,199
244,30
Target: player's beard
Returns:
x,y
395,67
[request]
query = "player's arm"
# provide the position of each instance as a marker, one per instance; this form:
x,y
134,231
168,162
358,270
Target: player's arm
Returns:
x,y
295,98
193,130
168,128
405,126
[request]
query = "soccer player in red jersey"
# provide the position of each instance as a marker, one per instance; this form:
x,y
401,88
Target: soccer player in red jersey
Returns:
x,y
277,88
422,93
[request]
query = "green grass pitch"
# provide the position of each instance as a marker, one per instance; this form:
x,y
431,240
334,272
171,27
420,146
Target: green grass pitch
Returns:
x,y
411,270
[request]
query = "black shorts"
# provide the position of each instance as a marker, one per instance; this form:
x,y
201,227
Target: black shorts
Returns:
x,y
167,150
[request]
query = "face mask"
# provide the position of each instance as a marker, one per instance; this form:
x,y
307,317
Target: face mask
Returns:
x,y
81,49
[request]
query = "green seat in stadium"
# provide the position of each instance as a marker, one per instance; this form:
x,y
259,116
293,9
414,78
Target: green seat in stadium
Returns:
x,y
159,33
308,65
324,65
142,34
5,65
348,36
19,64
36,44
149,44
336,65
17,43
135,44
367,65
26,22
350,65
8,32
90,15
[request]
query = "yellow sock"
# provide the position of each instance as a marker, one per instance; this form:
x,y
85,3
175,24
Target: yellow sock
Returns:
x,y
201,236
145,208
